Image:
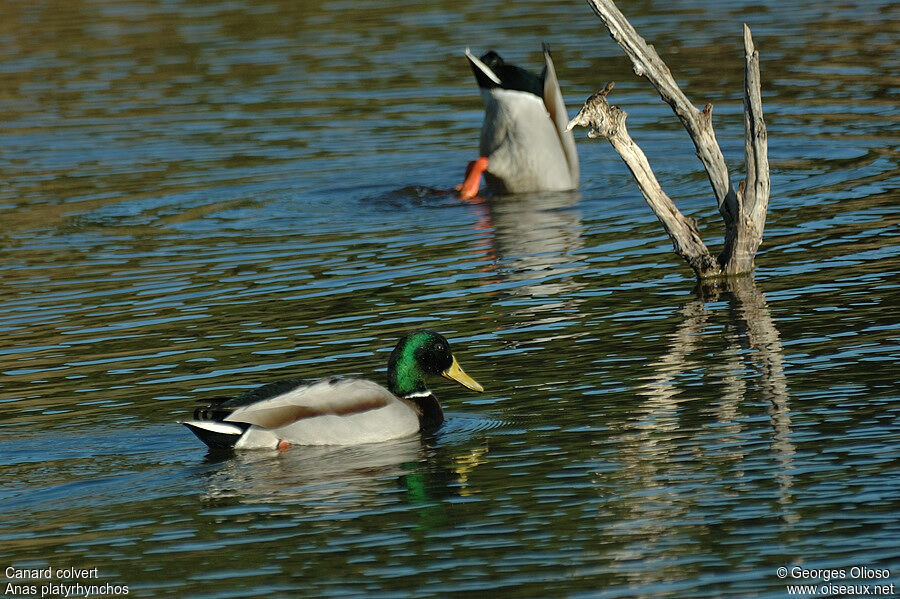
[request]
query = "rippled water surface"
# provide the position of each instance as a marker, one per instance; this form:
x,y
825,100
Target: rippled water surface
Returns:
x,y
198,197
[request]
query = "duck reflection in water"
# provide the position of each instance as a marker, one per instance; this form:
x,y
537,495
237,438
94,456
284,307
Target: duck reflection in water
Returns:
x,y
533,248
333,481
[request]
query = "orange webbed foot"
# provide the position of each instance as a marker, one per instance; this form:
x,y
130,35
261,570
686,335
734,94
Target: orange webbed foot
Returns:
x,y
468,189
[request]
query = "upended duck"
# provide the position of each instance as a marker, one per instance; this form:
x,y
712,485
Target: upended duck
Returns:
x,y
337,411
524,144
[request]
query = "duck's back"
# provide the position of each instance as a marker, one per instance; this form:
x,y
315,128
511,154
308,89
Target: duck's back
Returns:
x,y
522,144
332,411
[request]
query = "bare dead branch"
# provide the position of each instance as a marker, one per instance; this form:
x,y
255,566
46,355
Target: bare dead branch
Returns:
x,y
756,196
743,237
742,209
605,120
647,63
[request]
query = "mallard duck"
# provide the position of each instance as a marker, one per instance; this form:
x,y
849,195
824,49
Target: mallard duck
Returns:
x,y
337,411
524,144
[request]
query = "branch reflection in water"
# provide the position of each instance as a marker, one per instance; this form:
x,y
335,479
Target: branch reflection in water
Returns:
x,y
748,340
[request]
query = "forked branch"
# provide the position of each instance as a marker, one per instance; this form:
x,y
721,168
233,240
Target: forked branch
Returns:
x,y
605,120
744,209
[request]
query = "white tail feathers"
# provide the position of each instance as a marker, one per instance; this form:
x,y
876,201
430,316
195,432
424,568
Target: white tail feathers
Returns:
x,y
483,67
223,428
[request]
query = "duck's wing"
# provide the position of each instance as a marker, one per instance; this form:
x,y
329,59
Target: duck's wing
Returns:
x,y
219,408
556,106
278,407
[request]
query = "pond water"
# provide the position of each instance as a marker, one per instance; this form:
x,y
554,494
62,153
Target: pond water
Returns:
x,y
201,197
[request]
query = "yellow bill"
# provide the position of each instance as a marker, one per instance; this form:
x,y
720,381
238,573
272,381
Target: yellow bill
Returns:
x,y
456,373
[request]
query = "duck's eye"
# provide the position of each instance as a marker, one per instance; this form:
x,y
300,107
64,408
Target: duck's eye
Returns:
x,y
440,347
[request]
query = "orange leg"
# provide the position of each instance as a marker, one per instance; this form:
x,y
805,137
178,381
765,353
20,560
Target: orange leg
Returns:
x,y
469,188
282,445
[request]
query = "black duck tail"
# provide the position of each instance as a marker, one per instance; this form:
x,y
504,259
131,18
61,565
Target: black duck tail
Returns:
x,y
217,435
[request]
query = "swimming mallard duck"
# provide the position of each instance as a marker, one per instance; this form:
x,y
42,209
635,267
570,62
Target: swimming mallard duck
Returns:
x,y
337,411
524,143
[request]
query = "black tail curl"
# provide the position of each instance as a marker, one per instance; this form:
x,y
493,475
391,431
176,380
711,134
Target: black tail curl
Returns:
x,y
217,440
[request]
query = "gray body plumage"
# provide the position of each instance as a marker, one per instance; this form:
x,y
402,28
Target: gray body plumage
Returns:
x,y
525,139
324,412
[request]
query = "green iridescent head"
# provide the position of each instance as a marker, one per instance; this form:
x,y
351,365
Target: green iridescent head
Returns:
x,y
419,355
